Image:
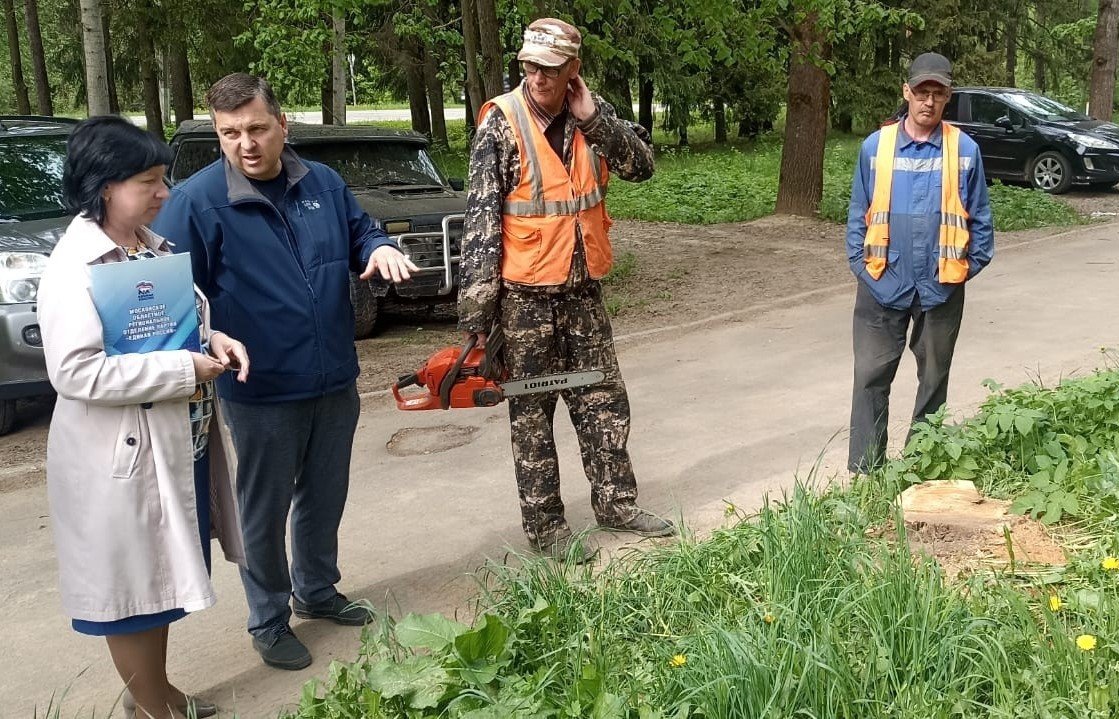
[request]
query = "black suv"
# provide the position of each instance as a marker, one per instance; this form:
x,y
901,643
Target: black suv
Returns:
x,y
1026,137
393,178
32,219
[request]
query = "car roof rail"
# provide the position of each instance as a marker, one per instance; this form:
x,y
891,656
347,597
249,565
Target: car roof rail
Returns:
x,y
8,122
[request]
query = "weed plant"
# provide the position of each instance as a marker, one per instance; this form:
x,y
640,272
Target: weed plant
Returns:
x,y
797,610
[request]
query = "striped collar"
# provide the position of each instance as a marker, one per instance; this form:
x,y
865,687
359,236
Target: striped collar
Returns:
x,y
537,110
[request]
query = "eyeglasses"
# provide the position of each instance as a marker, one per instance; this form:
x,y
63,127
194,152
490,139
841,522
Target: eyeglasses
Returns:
x,y
936,95
531,68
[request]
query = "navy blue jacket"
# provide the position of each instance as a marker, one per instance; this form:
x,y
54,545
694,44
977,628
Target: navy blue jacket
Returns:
x,y
914,253
277,277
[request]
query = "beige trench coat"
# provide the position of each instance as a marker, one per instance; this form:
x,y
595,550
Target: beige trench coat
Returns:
x,y
120,476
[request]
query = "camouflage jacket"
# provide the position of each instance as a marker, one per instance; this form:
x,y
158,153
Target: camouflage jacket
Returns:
x,y
495,171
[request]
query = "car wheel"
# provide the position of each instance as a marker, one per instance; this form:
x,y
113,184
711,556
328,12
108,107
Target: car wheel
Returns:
x,y
366,304
7,415
1051,172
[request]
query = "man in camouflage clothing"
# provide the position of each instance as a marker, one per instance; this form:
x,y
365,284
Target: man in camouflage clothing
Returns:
x,y
534,249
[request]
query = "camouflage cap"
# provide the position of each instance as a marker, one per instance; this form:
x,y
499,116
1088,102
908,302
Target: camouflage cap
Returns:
x,y
550,42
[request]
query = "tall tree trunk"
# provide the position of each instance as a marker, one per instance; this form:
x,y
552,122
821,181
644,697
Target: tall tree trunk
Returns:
x,y
23,102
338,67
149,71
417,94
645,94
38,59
514,70
489,34
182,92
110,73
720,112
801,183
475,91
615,87
1012,50
435,96
1105,44
96,66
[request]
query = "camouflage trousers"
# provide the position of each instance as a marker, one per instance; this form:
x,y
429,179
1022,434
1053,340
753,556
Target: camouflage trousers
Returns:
x,y
566,332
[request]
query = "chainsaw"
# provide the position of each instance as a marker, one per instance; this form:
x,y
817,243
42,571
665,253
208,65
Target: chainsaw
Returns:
x,y
458,377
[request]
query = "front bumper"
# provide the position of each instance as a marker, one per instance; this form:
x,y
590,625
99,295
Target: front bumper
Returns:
x,y
23,372
1097,166
436,253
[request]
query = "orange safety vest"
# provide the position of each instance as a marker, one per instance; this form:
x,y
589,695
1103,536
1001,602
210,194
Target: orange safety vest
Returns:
x,y
540,216
954,234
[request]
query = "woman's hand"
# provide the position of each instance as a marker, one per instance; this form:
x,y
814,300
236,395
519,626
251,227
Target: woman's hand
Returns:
x,y
230,353
206,368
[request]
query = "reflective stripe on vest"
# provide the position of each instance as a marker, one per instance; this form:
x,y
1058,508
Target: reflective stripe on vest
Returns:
x,y
954,234
552,203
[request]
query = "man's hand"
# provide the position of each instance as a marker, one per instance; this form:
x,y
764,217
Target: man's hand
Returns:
x,y
481,339
579,100
231,353
390,263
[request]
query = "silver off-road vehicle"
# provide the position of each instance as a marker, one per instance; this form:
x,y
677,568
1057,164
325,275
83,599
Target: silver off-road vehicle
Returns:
x,y
32,219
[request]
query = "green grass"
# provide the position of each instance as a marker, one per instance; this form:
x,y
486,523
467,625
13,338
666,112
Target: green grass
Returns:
x,y
708,183
794,611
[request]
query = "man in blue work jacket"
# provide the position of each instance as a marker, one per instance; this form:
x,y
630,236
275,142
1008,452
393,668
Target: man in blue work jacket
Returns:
x,y
272,239
915,235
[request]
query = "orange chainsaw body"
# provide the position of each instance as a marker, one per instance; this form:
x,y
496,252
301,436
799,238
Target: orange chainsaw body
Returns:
x,y
451,378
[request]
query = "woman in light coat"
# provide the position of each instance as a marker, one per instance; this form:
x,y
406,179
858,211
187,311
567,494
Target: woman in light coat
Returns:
x,y
138,474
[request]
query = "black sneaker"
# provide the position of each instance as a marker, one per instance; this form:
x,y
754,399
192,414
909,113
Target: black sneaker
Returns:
x,y
646,524
337,609
282,649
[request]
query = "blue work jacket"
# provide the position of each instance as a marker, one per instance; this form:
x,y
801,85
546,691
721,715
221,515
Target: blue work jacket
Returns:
x,y
911,265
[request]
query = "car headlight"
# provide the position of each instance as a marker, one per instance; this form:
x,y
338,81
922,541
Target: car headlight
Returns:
x,y
1093,142
19,276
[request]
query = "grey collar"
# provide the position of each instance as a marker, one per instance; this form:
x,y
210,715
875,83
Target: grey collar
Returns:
x,y
241,189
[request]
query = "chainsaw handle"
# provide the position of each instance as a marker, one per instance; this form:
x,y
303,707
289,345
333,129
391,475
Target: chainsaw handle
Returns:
x,y
424,401
451,377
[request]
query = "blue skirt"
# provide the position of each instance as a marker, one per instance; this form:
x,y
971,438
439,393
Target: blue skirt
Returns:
x,y
144,622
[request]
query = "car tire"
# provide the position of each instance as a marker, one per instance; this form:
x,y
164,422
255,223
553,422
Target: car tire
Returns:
x,y
1051,172
367,306
7,415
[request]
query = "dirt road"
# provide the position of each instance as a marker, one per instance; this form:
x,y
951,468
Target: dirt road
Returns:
x,y
737,385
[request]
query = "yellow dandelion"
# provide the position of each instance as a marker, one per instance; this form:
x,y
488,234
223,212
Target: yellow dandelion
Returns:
x,y
729,510
1086,642
678,660
1055,603
768,618
1110,563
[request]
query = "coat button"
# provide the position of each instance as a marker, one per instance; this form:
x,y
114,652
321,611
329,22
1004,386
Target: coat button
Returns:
x,y
146,405
131,441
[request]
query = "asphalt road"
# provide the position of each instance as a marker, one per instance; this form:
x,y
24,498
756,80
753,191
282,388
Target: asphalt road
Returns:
x,y
724,410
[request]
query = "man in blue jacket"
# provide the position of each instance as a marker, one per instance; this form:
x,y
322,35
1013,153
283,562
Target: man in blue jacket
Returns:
x,y
272,239
915,234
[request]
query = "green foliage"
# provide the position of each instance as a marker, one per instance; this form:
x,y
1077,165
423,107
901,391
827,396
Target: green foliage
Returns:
x,y
794,611
1021,208
1053,449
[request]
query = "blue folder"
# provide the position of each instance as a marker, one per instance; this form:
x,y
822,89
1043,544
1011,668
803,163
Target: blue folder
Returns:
x,y
146,305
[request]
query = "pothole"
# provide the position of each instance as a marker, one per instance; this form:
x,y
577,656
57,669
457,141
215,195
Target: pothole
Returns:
x,y
411,441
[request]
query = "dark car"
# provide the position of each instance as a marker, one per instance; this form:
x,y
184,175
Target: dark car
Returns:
x,y
1026,137
394,179
32,219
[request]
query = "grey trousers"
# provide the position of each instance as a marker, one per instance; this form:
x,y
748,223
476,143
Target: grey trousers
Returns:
x,y
879,338
291,456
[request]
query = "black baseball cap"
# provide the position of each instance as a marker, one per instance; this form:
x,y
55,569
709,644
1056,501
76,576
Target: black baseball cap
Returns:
x,y
930,66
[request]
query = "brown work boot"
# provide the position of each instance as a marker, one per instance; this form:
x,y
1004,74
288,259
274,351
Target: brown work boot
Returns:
x,y
562,546
646,524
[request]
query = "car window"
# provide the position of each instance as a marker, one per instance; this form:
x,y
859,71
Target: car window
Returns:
x,y
372,163
1042,107
31,177
952,109
986,109
191,156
